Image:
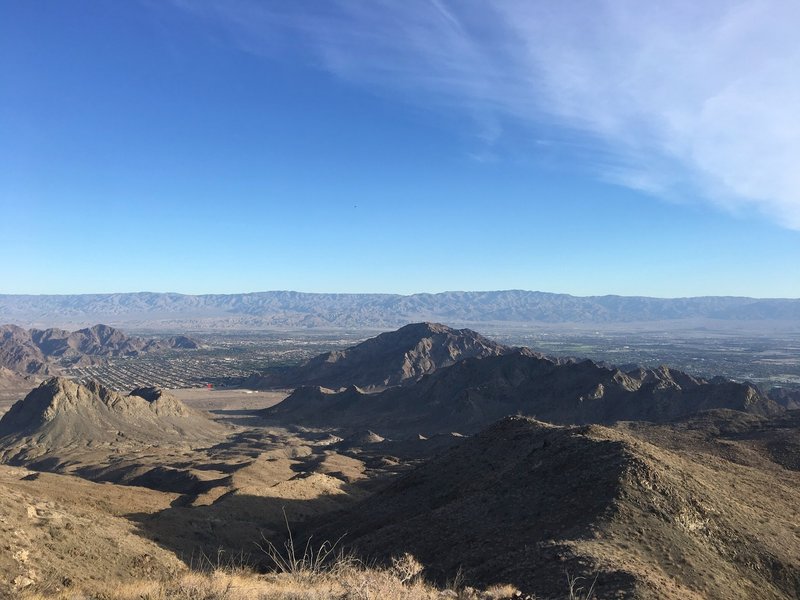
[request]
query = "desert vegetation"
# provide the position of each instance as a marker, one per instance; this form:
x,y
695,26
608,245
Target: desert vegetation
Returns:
x,y
344,578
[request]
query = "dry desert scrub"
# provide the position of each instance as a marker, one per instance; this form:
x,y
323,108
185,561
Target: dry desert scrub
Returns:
x,y
313,573
348,580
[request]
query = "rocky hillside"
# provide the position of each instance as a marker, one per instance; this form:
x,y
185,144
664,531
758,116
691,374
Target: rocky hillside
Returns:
x,y
380,311
11,380
389,359
60,532
472,393
530,503
61,416
788,398
42,351
19,353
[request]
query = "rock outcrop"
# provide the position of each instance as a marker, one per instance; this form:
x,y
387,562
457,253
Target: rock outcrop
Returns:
x,y
389,359
472,393
61,416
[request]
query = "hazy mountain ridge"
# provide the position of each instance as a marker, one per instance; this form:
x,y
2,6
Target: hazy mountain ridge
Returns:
x,y
295,309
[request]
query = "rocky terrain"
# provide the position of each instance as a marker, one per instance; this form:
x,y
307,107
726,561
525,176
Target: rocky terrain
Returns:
x,y
789,398
389,359
142,438
239,481
643,511
385,311
11,380
643,483
472,393
65,426
58,532
66,538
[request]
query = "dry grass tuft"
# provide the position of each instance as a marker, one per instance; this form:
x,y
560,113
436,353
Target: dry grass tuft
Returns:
x,y
500,592
578,590
406,568
345,581
349,582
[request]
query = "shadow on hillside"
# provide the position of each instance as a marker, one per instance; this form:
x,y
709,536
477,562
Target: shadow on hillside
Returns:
x,y
230,530
235,530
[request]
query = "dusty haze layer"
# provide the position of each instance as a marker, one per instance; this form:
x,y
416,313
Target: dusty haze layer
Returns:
x,y
265,310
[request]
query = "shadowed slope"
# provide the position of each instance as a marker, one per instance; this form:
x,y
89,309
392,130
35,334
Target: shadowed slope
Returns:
x,y
389,359
527,502
470,394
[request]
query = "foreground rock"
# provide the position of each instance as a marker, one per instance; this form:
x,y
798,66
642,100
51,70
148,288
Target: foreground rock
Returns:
x,y
392,358
59,533
649,511
471,394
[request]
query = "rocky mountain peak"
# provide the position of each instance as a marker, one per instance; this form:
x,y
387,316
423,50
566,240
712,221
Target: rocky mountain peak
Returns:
x,y
392,358
61,411
50,399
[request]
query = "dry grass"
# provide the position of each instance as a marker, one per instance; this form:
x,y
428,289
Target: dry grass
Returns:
x,y
347,580
500,592
579,588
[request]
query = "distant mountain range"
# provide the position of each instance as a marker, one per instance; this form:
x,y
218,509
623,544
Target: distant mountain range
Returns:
x,y
265,310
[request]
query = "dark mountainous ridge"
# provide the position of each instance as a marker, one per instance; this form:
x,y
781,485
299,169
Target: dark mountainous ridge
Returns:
x,y
472,393
788,398
41,352
380,311
20,353
528,503
389,359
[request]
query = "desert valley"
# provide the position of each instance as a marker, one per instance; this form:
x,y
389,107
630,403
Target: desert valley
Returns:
x,y
422,462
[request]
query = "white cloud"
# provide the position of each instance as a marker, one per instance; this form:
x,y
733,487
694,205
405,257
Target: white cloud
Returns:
x,y
683,95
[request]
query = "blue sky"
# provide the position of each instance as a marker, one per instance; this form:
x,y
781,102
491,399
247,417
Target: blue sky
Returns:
x,y
214,147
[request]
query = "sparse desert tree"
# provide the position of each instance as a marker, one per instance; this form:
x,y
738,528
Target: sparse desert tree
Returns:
x,y
406,568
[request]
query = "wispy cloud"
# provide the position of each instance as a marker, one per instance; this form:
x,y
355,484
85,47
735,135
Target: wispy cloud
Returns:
x,y
681,99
